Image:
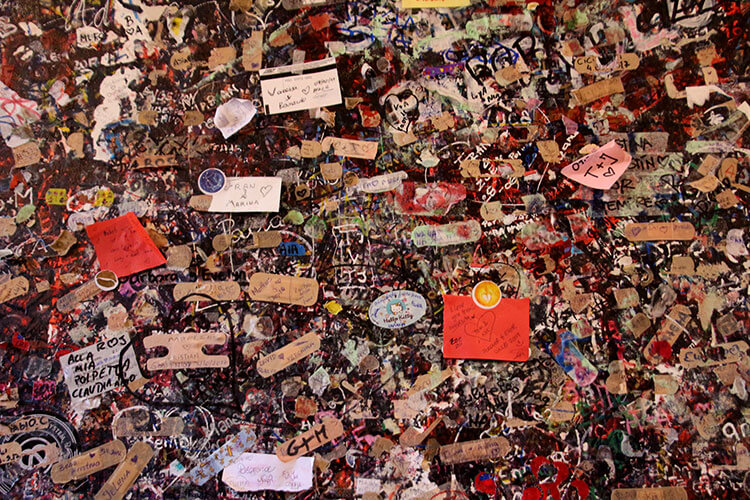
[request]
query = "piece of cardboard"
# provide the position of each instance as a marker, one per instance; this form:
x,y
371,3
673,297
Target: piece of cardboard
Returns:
x,y
589,65
412,437
252,51
433,4
320,434
155,161
429,381
126,427
63,242
7,226
474,451
288,355
734,352
26,154
667,493
598,90
310,149
366,150
470,332
225,455
186,351
659,231
126,473
88,462
10,452
549,150
122,245
283,289
600,169
28,423
266,239
13,288
672,327
217,290
70,300
492,167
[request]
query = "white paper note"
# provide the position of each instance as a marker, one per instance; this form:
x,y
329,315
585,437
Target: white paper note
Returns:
x,y
92,371
260,471
300,86
234,114
248,194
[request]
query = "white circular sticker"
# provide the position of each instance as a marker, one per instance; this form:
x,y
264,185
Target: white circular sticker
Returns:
x,y
397,309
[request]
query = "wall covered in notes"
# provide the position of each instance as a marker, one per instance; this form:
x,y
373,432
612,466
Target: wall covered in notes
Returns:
x,y
383,250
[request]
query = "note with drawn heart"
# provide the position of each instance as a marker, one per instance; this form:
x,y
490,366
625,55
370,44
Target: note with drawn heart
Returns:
x,y
470,332
600,169
242,194
300,86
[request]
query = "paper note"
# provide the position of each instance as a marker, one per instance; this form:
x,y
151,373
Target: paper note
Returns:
x,y
247,194
234,114
425,4
470,332
92,371
300,86
366,150
26,154
382,183
287,355
123,246
222,457
260,472
474,451
600,169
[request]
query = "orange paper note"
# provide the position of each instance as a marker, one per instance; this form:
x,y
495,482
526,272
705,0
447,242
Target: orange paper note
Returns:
x,y
471,332
122,245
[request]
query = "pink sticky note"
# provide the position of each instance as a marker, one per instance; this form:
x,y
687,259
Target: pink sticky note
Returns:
x,y
123,246
600,169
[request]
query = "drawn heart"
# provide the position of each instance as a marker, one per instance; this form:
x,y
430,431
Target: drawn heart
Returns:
x,y
609,173
635,230
134,460
546,489
264,190
482,327
306,90
92,455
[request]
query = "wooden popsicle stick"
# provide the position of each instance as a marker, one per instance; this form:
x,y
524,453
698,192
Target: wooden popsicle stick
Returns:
x,y
283,289
287,355
88,462
126,473
320,434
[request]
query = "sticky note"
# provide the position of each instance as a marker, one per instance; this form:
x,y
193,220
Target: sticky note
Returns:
x,y
422,4
122,245
470,332
600,169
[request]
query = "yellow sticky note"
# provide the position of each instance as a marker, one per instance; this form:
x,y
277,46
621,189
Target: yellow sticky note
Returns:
x,y
56,196
425,4
333,307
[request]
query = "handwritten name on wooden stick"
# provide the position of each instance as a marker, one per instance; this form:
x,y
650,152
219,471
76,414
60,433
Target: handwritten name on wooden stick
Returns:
x,y
186,351
9,452
126,473
659,231
283,289
473,451
322,433
89,462
287,355
217,290
25,424
670,493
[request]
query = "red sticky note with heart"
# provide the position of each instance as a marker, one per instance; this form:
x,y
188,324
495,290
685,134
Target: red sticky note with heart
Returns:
x,y
500,334
123,246
600,169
